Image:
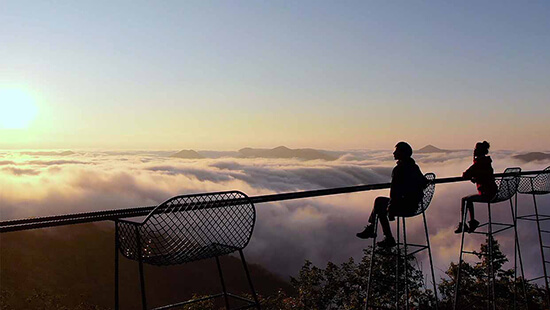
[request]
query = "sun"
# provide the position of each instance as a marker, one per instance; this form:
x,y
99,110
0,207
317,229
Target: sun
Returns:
x,y
17,108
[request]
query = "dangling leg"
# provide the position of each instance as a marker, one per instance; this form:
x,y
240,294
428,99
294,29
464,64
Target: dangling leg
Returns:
x,y
378,212
462,226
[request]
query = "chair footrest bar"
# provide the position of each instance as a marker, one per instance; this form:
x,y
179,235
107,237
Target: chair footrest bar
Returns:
x,y
545,231
503,229
418,250
546,247
240,298
479,233
189,302
528,216
535,279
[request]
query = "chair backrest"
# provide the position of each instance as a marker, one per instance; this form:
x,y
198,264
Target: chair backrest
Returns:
x,y
542,181
538,185
428,193
193,227
507,185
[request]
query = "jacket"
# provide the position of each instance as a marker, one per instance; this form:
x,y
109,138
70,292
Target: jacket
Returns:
x,y
407,184
482,174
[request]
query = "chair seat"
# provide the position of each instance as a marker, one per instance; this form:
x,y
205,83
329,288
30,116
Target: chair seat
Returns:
x,y
195,254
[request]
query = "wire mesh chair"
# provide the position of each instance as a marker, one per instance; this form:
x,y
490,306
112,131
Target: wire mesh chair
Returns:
x,y
189,228
507,189
534,186
422,206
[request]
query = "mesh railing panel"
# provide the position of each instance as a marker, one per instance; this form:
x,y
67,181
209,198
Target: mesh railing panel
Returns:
x,y
537,185
507,186
189,228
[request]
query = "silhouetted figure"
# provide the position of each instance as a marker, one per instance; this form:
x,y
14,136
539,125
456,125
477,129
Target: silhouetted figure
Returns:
x,y
406,191
481,173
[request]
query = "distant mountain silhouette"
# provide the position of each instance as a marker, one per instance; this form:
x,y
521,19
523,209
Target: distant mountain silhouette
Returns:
x,y
284,152
189,154
64,153
432,149
533,156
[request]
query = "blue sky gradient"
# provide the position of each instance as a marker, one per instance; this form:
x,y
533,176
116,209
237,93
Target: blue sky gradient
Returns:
x,y
226,74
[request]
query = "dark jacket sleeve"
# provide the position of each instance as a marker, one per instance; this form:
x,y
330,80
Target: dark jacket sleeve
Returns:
x,y
407,183
471,172
397,183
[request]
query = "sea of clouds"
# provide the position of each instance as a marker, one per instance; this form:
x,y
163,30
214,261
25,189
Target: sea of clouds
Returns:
x,y
286,233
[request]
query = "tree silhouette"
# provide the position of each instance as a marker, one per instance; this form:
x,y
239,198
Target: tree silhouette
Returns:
x,y
344,286
474,288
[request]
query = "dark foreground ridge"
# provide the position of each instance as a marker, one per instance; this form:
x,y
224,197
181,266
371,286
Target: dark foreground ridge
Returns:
x,y
72,268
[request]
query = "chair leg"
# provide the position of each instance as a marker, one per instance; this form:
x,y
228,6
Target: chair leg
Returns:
x,y
223,283
491,278
455,304
141,273
431,260
405,265
249,280
116,266
542,251
397,256
371,264
517,254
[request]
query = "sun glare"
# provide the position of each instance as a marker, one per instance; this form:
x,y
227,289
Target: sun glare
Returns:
x,y
17,109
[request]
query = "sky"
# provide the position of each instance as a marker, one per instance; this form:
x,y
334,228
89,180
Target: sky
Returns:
x,y
222,75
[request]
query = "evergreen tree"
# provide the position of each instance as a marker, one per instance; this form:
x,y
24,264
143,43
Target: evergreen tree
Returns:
x,y
474,287
344,286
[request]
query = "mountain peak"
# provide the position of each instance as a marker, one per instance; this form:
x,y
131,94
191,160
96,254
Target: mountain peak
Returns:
x,y
285,152
188,154
431,149
533,156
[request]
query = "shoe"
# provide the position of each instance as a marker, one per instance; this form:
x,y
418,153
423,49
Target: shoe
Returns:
x,y
388,242
367,233
473,225
458,229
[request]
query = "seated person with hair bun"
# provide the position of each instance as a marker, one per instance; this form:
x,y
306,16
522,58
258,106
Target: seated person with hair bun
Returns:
x,y
406,191
481,173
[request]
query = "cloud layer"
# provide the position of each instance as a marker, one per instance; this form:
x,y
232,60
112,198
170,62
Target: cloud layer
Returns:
x,y
319,229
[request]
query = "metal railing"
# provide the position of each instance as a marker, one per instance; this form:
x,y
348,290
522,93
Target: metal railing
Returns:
x,y
105,215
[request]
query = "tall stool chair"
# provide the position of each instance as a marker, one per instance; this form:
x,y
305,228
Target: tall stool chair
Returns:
x,y
402,257
507,189
186,229
538,185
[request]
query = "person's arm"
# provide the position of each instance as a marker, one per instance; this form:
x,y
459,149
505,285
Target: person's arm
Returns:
x,y
396,188
470,173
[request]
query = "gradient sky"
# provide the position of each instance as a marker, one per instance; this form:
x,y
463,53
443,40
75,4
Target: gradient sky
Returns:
x,y
229,74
